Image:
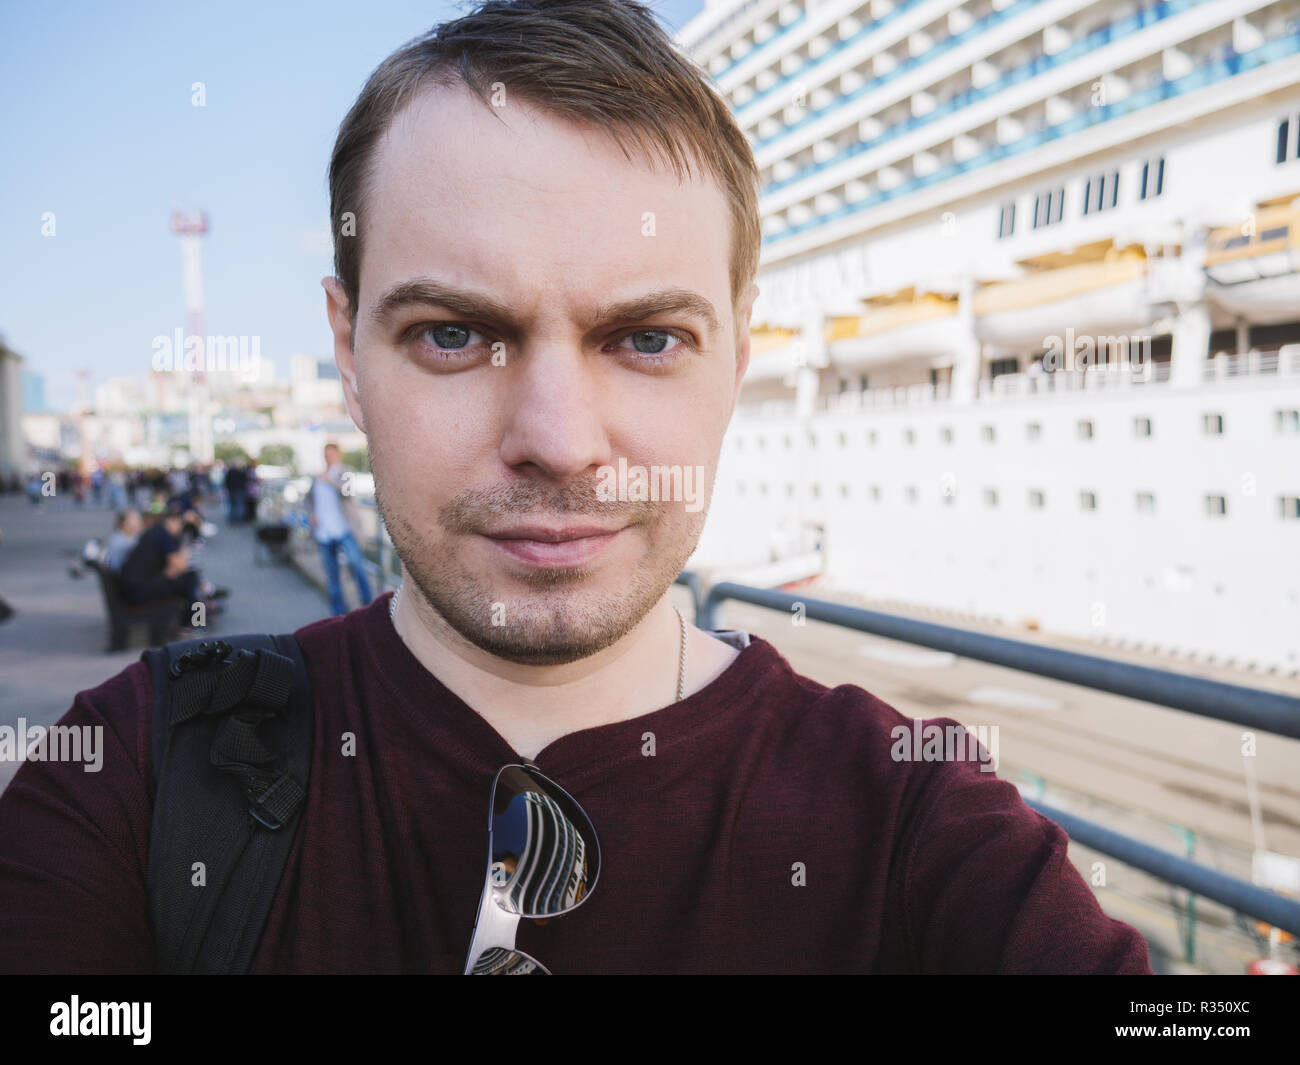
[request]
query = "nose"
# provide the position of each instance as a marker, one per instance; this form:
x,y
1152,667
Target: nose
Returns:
x,y
554,419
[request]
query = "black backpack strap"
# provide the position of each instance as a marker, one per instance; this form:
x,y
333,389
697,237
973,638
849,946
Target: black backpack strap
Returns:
x,y
232,736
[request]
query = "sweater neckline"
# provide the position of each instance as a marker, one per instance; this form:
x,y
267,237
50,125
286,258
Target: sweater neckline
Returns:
x,y
585,752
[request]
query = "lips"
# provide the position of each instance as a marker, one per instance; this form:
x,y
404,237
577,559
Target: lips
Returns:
x,y
549,545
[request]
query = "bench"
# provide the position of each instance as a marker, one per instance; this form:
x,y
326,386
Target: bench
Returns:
x,y
161,615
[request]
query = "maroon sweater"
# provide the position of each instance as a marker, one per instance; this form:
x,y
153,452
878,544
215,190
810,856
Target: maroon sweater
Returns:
x,y
908,866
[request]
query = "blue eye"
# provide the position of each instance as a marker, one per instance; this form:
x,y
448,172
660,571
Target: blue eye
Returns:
x,y
449,335
654,341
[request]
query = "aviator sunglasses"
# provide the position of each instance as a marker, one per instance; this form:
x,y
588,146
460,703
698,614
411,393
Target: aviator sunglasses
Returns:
x,y
543,860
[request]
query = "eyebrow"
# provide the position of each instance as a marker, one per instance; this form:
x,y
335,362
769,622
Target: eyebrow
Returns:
x,y
426,291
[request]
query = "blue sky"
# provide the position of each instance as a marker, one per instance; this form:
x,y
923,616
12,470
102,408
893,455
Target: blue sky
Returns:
x,y
98,127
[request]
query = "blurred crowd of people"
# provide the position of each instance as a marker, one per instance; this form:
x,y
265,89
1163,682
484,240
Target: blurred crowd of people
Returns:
x,y
151,489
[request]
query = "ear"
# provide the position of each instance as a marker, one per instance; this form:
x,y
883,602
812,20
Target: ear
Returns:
x,y
340,319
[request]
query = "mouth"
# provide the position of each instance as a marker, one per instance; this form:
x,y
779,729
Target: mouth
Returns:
x,y
553,545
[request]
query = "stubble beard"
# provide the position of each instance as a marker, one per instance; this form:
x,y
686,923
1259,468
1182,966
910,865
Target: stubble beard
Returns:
x,y
548,616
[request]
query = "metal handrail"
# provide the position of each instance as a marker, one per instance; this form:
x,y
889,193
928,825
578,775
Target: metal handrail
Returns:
x,y
1251,707
1264,710
1231,891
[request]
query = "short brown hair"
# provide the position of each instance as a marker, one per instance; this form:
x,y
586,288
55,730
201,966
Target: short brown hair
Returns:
x,y
606,62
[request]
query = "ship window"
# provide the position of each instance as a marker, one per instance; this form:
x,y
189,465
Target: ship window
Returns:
x,y
1033,431
945,434
1101,192
875,493
1141,426
1282,128
987,433
1276,233
1288,421
909,436
816,490
871,438
1048,207
1153,179
844,439
1085,429
844,491
1037,498
1088,500
1216,506
911,493
1007,220
789,489
1213,424
991,497
1146,502
1289,508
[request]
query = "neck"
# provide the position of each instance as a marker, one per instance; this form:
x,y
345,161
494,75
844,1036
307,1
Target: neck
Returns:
x,y
532,706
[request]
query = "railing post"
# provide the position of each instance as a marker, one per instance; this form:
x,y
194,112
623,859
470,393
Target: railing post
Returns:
x,y
1188,837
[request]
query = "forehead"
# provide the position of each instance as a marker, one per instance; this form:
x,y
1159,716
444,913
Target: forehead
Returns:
x,y
546,213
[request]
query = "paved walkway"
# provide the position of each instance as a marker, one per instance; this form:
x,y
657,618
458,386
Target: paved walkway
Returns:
x,y
53,646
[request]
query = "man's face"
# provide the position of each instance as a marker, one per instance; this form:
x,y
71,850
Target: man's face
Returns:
x,y
331,456
488,425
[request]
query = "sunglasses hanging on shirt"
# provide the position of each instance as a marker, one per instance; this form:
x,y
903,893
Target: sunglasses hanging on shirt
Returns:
x,y
543,861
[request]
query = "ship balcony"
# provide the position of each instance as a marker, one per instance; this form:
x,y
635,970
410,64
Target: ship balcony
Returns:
x,y
923,327
1104,297
1254,268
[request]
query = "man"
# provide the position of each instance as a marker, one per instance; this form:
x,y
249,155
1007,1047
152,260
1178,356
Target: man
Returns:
x,y
236,485
127,528
552,270
158,566
331,520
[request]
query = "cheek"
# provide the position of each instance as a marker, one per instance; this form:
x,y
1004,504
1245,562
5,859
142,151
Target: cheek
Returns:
x,y
420,436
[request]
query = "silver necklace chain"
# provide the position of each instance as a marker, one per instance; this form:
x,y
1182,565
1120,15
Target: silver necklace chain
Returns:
x,y
681,662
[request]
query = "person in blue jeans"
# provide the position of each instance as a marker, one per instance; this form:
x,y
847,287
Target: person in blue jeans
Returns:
x,y
333,531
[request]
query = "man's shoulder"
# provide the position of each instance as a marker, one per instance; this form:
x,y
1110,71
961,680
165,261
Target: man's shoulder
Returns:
x,y
819,707
847,736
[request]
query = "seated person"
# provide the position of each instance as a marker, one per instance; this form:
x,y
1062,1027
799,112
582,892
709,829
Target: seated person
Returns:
x,y
158,567
126,531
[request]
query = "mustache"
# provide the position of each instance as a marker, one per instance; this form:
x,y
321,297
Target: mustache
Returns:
x,y
476,509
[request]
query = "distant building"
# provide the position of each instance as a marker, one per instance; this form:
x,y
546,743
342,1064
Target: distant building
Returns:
x,y
12,449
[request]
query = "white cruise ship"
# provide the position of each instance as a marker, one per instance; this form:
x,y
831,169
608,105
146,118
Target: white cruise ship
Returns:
x,y
1028,342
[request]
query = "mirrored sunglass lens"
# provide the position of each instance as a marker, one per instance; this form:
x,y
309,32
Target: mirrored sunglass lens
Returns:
x,y
500,962
544,853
